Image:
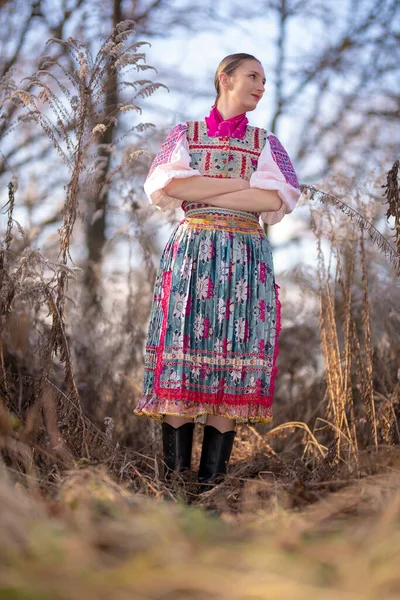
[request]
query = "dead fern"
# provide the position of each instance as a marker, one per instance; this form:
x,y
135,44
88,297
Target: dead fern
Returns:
x,y
392,194
312,193
73,125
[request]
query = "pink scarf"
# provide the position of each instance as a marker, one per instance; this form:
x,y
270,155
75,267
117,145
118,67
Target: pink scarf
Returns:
x,y
218,127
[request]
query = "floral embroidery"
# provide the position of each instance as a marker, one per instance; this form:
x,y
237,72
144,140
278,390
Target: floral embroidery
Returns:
x,y
199,327
230,307
263,272
225,237
205,250
180,305
240,329
241,291
223,271
195,371
173,379
240,253
207,328
202,287
236,375
163,156
186,267
283,161
221,310
218,346
177,338
251,386
259,310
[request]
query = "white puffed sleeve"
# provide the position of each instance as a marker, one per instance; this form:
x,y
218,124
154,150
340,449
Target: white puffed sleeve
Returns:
x,y
275,172
171,161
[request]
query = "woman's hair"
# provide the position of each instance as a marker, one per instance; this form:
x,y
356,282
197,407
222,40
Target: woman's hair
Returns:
x,y
228,65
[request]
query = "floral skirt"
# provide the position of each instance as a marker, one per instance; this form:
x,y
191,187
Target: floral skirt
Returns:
x,y
213,334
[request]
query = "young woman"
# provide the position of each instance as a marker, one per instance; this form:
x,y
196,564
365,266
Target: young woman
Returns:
x,y
213,334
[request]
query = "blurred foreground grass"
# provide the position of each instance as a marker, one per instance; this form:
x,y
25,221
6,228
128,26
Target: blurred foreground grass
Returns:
x,y
96,540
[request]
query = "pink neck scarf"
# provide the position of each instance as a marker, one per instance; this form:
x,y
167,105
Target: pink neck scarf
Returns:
x,y
218,127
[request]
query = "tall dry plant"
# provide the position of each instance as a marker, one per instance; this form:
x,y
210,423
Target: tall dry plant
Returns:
x,y
347,343
390,250
66,104
73,125
392,193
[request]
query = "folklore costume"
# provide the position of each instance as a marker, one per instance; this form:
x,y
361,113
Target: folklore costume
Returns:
x,y
214,324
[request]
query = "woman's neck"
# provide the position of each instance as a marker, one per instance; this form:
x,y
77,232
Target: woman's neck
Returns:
x,y
227,110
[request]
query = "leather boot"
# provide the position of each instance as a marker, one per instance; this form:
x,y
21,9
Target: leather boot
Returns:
x,y
215,455
177,447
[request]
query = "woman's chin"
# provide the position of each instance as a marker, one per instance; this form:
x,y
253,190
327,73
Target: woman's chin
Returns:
x,y
251,105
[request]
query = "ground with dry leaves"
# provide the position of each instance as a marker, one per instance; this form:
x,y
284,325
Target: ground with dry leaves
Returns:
x,y
95,539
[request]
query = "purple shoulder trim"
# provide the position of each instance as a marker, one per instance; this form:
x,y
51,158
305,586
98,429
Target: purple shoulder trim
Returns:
x,y
283,161
165,152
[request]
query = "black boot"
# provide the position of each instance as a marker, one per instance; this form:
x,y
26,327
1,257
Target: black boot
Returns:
x,y
177,446
215,455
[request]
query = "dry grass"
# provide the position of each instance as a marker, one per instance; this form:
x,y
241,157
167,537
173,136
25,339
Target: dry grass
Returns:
x,y
98,540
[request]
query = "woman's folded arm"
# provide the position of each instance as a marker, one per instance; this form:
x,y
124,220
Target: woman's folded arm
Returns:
x,y
250,200
201,188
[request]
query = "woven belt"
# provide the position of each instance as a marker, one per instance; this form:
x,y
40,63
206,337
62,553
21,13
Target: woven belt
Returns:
x,y
214,218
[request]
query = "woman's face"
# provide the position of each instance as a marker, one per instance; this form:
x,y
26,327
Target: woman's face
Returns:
x,y
245,87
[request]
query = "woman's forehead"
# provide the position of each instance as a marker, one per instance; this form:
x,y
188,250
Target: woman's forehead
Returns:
x,y
251,65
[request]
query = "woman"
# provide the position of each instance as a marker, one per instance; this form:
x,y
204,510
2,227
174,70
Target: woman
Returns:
x,y
213,334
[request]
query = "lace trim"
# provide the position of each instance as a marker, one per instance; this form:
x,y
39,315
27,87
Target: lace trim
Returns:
x,y
159,417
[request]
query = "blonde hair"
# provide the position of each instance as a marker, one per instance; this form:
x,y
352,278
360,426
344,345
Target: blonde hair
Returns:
x,y
228,65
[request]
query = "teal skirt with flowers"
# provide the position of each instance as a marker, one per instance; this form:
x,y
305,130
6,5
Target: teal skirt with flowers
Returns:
x,y
213,334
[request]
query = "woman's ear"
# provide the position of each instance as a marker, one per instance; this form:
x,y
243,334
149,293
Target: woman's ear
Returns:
x,y
224,80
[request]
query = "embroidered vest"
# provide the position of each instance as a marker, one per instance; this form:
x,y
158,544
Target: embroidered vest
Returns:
x,y
223,156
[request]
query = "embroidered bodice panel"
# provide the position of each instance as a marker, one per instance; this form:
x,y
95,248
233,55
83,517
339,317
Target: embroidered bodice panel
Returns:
x,y
223,157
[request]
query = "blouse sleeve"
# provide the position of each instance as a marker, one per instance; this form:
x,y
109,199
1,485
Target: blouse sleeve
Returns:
x,y
171,161
275,172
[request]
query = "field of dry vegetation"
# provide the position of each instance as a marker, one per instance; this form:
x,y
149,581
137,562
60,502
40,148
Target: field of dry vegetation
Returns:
x,y
311,507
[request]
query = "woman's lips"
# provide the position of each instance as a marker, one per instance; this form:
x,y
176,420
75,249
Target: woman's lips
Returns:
x,y
255,96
